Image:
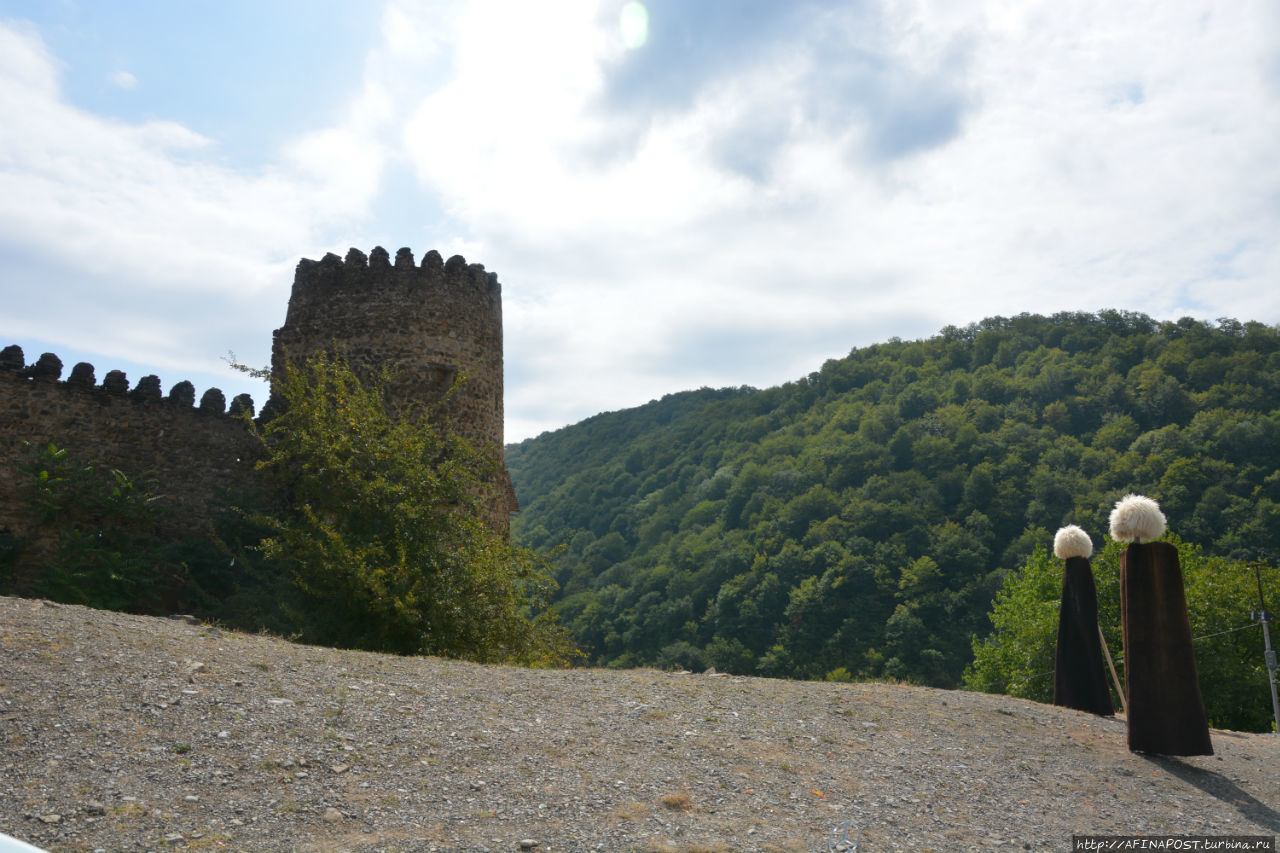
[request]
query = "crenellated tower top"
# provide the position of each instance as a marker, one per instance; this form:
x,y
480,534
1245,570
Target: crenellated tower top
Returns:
x,y
432,323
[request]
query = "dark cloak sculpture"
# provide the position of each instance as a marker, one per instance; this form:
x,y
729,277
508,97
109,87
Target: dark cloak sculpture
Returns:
x,y
1166,711
1079,680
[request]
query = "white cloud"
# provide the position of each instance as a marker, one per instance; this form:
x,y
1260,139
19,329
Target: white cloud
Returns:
x,y
124,80
633,25
24,60
1068,189
490,140
415,31
100,191
343,167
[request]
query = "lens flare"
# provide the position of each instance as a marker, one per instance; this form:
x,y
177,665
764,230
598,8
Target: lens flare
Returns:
x,y
633,23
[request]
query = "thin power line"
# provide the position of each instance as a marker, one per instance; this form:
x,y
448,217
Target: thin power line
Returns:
x,y
1120,662
1228,631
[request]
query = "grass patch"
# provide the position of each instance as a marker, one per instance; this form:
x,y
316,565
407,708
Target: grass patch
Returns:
x,y
680,802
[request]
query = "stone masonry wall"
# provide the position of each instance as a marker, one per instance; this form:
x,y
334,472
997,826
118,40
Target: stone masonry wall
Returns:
x,y
192,451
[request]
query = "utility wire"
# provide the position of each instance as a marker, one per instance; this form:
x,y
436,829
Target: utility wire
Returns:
x,y
1220,633
1120,662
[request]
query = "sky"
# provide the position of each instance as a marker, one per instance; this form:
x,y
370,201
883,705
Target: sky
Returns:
x,y
674,194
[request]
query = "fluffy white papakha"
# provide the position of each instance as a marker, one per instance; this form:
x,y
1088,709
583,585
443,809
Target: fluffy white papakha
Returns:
x,y
1137,519
1071,541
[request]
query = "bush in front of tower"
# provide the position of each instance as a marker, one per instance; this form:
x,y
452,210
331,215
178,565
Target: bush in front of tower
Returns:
x,y
382,526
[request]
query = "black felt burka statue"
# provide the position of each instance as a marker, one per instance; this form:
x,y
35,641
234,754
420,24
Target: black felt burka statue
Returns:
x,y
1079,680
1166,711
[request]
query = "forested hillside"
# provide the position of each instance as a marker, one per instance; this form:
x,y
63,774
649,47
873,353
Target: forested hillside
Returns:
x,y
858,522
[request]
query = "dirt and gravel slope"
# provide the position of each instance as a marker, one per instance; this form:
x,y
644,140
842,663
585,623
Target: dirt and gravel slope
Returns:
x,y
126,733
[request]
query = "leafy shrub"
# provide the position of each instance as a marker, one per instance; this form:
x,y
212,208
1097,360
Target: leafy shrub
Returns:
x,y
682,655
95,540
383,528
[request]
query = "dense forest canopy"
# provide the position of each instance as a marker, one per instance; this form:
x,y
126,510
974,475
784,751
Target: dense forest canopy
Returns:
x,y
859,521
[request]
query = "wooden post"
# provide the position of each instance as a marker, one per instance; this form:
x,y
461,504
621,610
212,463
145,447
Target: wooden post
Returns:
x,y
1124,703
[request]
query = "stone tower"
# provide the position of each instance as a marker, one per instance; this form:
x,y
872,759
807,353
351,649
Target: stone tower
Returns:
x,y
432,323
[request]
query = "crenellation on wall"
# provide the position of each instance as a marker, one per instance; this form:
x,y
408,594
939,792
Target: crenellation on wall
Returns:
x,y
115,382
11,358
213,401
48,368
148,388
241,405
81,375
183,394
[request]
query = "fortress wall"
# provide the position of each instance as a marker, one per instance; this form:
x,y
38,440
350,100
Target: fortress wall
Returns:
x,y
193,452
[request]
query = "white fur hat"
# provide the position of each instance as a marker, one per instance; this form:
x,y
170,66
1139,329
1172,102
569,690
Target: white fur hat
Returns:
x,y
1136,519
1071,541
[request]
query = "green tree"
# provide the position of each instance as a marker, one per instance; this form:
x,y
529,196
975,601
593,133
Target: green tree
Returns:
x,y
383,528
1017,658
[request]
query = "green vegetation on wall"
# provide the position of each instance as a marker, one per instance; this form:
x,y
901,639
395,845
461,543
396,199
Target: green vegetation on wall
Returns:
x,y
384,528
98,529
860,521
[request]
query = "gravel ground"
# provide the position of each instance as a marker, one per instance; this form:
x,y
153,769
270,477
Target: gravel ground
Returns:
x,y
127,733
